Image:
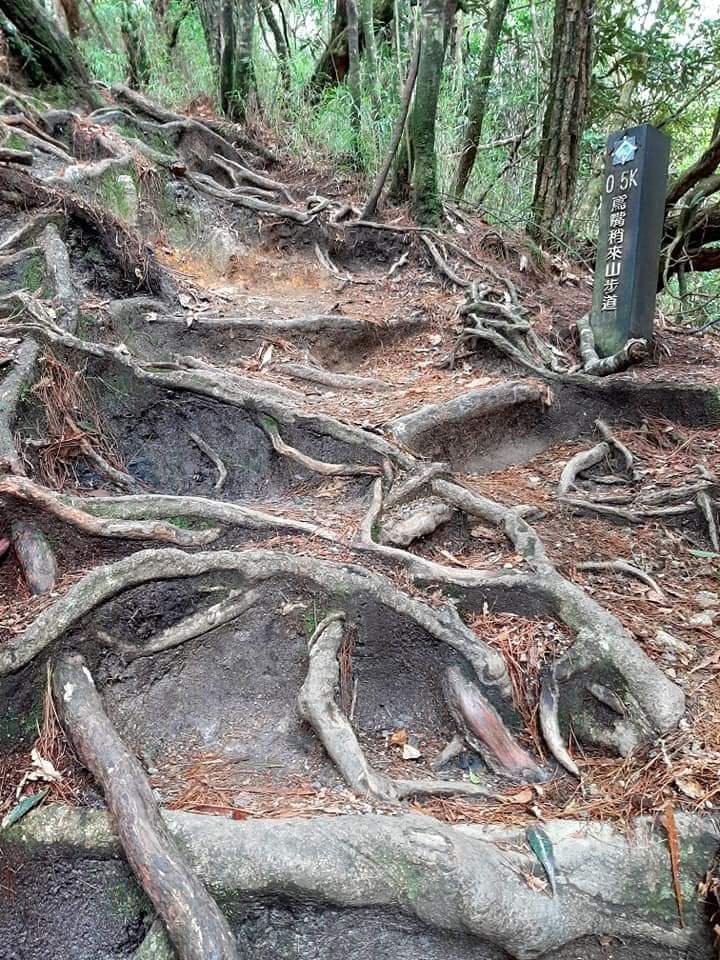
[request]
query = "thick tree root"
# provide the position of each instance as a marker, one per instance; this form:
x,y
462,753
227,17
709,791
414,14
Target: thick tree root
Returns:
x,y
201,378
469,879
634,351
196,625
604,650
20,488
192,919
310,463
252,567
11,387
317,704
580,462
35,556
435,418
337,381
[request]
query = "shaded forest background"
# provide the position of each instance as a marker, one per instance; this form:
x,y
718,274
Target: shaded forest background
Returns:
x,y
507,92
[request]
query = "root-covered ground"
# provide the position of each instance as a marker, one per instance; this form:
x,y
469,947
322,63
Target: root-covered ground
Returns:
x,y
336,575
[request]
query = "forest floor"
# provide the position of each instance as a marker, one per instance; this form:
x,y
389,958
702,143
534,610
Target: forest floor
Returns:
x,y
213,718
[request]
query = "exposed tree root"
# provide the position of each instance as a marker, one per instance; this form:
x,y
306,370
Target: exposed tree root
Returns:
x,y
340,381
252,567
63,508
310,463
468,879
134,258
212,457
317,704
196,625
191,917
231,133
633,352
11,387
622,566
463,409
35,556
580,462
204,379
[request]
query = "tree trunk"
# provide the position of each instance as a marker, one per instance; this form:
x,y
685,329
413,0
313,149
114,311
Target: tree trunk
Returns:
x,y
133,38
54,52
353,38
228,26
565,113
423,184
332,67
478,104
366,13
281,47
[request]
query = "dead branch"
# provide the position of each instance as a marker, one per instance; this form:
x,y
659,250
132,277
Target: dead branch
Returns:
x,y
191,917
622,566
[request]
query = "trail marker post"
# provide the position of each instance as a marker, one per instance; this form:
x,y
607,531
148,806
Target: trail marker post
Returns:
x,y
631,222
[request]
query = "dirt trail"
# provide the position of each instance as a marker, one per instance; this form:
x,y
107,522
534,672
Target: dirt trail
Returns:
x,y
286,502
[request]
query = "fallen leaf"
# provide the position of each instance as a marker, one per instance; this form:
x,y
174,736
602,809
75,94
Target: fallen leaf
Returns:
x,y
690,788
399,738
523,797
410,753
20,809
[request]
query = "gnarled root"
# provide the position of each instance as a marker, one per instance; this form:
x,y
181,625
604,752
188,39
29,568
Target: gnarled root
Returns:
x,y
192,919
467,879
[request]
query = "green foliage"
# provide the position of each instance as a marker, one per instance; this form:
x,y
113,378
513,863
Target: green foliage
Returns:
x,y
650,67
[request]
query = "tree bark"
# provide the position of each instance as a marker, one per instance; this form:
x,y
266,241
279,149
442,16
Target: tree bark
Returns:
x,y
565,112
478,104
366,14
372,202
54,52
228,26
353,77
281,47
423,184
133,37
192,919
332,66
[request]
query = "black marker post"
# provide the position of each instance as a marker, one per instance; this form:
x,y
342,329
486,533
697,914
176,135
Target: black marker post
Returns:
x,y
631,223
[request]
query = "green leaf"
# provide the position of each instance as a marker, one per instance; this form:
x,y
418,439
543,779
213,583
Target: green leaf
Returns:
x,y
705,554
27,804
474,778
542,847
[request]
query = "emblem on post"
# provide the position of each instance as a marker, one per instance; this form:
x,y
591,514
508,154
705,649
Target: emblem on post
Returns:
x,y
624,151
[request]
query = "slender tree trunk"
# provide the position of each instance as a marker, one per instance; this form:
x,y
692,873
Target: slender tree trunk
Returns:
x,y
478,103
133,36
53,50
565,113
367,21
372,202
423,184
244,75
281,47
353,36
